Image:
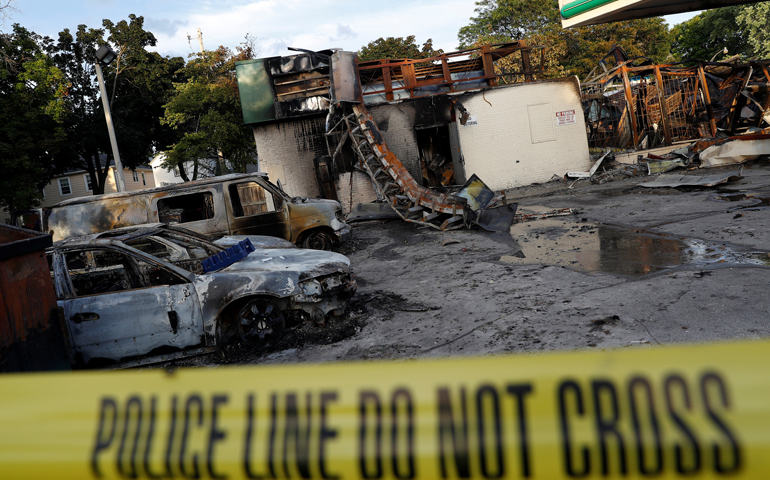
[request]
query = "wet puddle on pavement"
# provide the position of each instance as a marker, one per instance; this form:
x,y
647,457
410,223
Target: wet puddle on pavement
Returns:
x,y
594,247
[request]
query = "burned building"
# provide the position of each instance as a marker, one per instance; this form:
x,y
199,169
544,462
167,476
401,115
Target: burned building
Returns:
x,y
638,104
445,119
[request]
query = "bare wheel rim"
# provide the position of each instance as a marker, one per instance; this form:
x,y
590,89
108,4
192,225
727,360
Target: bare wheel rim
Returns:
x,y
318,241
260,323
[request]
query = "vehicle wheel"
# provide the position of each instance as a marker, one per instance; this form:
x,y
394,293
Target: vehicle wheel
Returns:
x,y
318,240
260,323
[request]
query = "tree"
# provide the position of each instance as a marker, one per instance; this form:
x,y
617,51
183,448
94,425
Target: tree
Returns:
x,y
573,51
708,33
755,19
205,110
397,47
32,109
585,46
140,82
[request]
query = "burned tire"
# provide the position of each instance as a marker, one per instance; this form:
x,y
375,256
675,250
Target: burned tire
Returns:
x,y
318,240
260,323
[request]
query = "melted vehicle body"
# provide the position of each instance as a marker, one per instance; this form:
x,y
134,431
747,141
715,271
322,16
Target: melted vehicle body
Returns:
x,y
138,292
237,204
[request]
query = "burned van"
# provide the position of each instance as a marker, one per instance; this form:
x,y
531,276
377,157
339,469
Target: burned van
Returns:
x,y
236,204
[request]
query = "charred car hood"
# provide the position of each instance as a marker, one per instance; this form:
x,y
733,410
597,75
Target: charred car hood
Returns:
x,y
307,263
274,272
301,207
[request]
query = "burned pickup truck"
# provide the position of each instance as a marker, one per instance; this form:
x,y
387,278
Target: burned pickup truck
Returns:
x,y
140,294
235,204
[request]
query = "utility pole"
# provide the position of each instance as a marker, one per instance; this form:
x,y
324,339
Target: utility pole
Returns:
x,y
200,39
106,55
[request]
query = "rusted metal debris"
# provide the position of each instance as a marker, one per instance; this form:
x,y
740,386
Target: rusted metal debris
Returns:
x,y
393,79
31,333
639,104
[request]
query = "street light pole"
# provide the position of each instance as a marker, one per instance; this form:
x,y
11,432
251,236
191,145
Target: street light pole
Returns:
x,y
104,55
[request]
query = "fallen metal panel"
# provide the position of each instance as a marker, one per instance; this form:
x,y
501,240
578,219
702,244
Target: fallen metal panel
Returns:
x,y
735,151
345,87
372,211
476,192
496,219
256,91
663,166
693,180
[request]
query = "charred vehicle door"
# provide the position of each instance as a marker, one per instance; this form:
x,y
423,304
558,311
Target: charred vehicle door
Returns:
x,y
257,210
118,305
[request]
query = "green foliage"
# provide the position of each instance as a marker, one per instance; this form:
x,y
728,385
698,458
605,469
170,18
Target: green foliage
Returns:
x,y
646,37
755,19
32,106
708,33
205,110
397,47
573,51
140,82
506,20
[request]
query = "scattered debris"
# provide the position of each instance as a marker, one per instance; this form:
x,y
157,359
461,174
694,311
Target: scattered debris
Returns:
x,y
639,104
448,241
365,212
559,212
693,180
475,203
664,165
595,167
733,150
624,171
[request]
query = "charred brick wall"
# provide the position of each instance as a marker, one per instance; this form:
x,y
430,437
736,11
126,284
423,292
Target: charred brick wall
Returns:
x,y
287,148
286,151
396,124
360,185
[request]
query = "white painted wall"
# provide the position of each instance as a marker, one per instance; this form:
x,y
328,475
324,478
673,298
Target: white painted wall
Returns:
x,y
517,136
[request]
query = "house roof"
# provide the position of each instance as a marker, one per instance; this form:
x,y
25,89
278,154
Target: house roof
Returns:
x,y
105,162
193,186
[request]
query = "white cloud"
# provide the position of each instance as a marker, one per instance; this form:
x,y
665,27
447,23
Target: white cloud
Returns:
x,y
317,25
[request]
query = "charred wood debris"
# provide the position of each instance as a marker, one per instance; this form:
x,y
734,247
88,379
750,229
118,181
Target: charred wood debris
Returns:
x,y
709,113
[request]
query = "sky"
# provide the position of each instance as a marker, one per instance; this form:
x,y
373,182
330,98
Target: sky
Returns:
x,y
276,24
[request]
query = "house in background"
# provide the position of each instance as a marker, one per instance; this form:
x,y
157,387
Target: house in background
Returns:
x,y
77,183
207,167
163,176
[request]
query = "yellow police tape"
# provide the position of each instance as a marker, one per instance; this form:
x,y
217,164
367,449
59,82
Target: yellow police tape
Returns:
x,y
683,412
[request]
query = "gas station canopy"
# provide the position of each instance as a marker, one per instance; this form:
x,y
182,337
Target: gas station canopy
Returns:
x,y
576,13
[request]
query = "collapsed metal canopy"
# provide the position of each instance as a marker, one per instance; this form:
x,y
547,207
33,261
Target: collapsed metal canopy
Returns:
x,y
577,13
